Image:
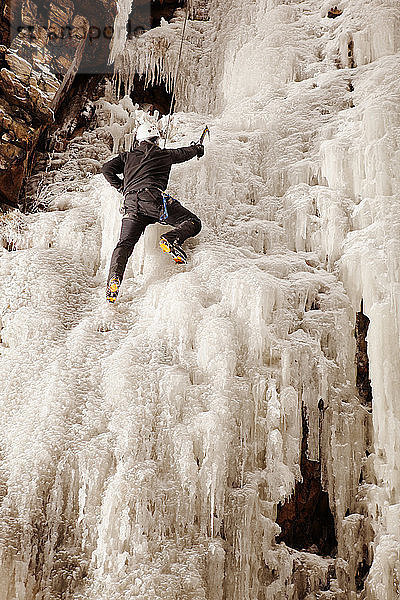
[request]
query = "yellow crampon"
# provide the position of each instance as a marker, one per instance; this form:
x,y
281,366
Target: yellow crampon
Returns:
x,y
176,252
113,289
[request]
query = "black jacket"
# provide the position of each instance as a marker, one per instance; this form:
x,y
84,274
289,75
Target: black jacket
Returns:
x,y
145,166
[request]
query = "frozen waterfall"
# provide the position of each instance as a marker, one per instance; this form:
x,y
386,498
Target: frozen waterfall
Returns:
x,y
149,450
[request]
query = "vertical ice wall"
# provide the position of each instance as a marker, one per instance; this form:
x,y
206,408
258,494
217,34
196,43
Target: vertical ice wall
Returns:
x,y
146,447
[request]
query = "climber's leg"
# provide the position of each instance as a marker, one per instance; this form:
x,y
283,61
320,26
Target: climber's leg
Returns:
x,y
186,224
133,225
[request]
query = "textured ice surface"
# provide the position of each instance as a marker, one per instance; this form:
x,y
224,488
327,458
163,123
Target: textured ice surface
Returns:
x,y
145,446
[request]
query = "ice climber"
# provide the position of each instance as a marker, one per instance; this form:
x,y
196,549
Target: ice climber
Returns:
x,y
146,171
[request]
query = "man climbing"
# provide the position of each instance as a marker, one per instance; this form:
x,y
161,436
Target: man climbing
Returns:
x,y
146,171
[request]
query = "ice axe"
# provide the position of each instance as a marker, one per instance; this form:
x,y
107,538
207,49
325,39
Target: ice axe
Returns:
x,y
203,135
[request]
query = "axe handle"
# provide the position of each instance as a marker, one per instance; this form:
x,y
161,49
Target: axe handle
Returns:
x,y
203,135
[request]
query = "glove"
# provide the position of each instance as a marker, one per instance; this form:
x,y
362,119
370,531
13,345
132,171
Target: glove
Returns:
x,y
200,150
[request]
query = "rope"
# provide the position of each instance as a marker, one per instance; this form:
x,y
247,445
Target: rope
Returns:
x,y
171,107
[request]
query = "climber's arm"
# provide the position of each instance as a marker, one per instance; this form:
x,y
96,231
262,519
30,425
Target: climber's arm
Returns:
x,y
110,170
179,155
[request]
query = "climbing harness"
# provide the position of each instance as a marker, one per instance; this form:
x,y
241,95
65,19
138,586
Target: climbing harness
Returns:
x,y
166,199
171,107
164,213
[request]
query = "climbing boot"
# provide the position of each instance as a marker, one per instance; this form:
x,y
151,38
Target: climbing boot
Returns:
x,y
175,250
113,289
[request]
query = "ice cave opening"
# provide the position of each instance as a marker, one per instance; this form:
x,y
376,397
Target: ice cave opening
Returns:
x,y
362,360
305,519
159,9
151,96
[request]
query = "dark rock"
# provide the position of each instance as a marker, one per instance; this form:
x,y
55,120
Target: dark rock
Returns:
x,y
38,65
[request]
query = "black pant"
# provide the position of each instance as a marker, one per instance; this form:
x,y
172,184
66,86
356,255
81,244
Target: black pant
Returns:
x,y
142,210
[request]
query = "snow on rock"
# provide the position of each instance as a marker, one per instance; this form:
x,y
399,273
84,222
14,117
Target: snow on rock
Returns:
x,y
146,446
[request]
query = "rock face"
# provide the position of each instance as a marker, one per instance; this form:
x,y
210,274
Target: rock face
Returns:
x,y
4,21
43,48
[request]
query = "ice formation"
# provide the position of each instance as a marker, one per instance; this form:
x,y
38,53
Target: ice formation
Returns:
x,y
146,447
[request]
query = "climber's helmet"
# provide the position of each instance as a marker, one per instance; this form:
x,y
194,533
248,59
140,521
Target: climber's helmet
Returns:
x,y
148,132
